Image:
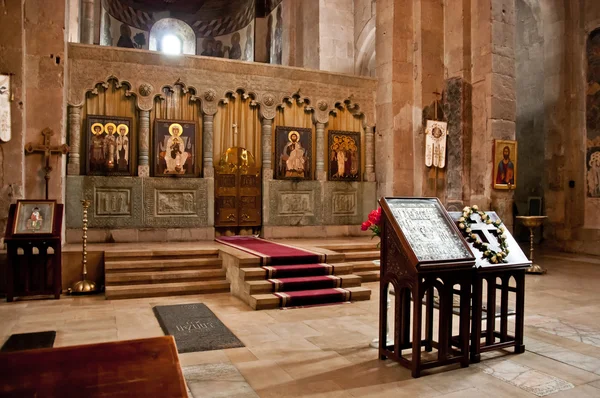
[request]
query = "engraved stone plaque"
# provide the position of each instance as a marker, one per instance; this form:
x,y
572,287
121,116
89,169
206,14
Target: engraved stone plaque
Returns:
x,y
112,202
296,203
170,202
344,203
427,230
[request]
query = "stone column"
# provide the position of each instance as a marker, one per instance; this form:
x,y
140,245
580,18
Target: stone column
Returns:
x,y
267,148
369,154
74,164
207,144
144,144
321,175
494,107
395,97
87,21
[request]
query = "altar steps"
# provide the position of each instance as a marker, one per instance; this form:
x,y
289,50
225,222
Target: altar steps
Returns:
x,y
296,284
359,257
165,289
308,297
255,273
137,274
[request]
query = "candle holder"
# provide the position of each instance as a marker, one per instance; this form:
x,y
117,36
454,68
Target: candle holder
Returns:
x,y
84,286
532,222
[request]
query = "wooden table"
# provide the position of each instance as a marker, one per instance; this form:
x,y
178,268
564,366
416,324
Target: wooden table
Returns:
x,y
136,368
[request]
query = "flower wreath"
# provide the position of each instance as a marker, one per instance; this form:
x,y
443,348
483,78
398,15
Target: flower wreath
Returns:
x,y
464,224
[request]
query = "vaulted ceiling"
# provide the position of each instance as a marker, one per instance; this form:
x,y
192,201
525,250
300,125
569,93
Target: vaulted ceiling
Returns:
x,y
207,17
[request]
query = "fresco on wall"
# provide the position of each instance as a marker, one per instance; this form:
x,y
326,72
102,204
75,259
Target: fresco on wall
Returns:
x,y
593,114
593,172
116,33
238,45
274,36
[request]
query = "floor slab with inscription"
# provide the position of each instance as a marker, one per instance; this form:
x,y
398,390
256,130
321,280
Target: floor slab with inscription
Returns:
x,y
195,328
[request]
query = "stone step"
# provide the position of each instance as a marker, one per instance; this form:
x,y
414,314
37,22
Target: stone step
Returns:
x,y
363,255
351,247
256,273
270,301
165,289
167,254
359,266
146,277
264,286
161,264
368,276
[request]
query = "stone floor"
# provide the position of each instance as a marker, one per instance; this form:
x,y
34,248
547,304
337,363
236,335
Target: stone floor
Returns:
x,y
324,351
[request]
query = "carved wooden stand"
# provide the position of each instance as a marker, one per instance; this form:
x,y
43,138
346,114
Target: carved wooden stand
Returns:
x,y
514,268
497,339
33,272
415,281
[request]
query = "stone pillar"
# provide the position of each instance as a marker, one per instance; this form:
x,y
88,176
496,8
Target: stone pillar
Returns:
x,y
207,144
369,154
144,144
321,175
494,107
267,130
74,165
457,108
395,102
87,21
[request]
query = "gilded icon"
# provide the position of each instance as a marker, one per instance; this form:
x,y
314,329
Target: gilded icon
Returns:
x,y
109,149
505,164
175,148
34,217
344,156
294,150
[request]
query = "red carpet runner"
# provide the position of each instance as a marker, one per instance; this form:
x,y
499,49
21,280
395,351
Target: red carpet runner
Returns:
x,y
299,277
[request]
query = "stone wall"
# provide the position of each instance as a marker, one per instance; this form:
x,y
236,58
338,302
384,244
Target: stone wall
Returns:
x,y
530,110
336,35
33,51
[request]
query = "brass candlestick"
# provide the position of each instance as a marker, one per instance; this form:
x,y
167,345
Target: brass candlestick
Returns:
x,y
532,222
84,286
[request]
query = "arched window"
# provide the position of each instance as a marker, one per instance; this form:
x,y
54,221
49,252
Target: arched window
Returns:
x,y
171,44
172,36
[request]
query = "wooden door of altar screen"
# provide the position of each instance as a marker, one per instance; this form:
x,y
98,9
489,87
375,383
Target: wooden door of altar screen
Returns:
x,y
238,193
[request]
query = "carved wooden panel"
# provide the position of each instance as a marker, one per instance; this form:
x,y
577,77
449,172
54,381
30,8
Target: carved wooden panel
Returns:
x,y
238,191
226,180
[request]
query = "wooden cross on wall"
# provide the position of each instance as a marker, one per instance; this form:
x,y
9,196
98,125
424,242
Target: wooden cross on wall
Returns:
x,y
48,151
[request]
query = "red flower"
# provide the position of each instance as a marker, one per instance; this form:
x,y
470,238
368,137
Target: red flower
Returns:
x,y
375,216
365,226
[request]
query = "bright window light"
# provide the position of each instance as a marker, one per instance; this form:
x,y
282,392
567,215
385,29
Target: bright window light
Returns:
x,y
171,44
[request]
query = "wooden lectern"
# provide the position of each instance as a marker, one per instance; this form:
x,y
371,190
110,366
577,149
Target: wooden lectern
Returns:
x,y
422,250
498,281
34,254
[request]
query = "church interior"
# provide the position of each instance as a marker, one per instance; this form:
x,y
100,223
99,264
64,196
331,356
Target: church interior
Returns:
x,y
285,198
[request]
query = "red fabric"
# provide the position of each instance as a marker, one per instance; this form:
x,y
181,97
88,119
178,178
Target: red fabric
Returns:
x,y
304,283
311,297
289,271
272,253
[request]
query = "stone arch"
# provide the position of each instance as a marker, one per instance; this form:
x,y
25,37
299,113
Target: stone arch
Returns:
x,y
176,27
365,51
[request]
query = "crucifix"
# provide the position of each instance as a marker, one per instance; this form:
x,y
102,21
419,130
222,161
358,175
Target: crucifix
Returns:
x,y
48,151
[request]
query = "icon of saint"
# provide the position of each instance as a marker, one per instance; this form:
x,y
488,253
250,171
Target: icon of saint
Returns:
x,y
506,169
35,221
110,145
97,145
293,156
